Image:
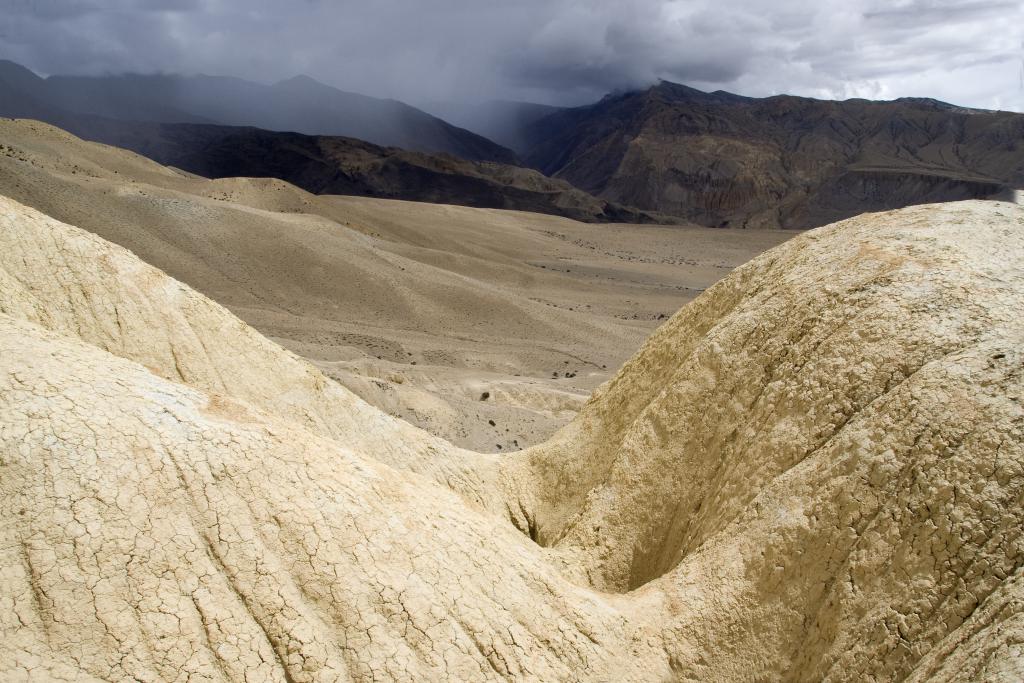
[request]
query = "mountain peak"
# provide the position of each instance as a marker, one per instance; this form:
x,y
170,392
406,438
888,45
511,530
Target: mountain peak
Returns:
x,y
14,72
676,89
671,92
677,92
302,82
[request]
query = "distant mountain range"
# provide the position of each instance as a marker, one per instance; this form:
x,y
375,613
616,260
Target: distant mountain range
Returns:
x,y
299,104
347,166
326,164
665,153
724,160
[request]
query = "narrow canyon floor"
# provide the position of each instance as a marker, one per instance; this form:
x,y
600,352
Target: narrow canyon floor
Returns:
x,y
488,328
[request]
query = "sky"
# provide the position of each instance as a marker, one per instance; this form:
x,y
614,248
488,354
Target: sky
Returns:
x,y
969,52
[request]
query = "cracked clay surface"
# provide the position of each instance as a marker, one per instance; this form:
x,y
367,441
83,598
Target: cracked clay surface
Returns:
x,y
813,472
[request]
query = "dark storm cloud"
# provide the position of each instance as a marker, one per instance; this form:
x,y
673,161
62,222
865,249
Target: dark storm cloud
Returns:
x,y
966,51
627,44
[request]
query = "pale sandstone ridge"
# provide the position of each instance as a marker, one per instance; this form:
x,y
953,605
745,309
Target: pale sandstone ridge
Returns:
x,y
821,457
76,284
812,472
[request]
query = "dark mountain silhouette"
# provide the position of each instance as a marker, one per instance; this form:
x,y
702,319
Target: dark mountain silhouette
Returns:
x,y
299,104
724,160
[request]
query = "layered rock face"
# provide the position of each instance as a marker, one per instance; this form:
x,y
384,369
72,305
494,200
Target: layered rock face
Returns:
x,y
812,472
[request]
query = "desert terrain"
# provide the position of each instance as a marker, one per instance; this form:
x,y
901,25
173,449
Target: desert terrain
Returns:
x,y
812,471
421,309
552,342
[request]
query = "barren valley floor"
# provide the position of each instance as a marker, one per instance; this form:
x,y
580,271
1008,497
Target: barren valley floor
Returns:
x,y
421,309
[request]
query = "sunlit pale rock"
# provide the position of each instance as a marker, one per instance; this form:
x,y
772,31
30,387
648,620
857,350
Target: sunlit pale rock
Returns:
x,y
812,472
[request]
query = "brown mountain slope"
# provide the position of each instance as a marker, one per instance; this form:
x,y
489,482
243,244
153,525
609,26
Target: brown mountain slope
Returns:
x,y
346,166
813,472
723,160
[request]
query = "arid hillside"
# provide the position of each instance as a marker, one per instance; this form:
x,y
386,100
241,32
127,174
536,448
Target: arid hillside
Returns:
x,y
781,162
811,472
346,166
421,309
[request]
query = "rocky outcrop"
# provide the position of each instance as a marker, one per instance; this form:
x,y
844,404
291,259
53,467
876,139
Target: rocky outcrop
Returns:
x,y
814,472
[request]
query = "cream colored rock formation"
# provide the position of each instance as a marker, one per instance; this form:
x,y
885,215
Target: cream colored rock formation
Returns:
x,y
812,472
74,283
